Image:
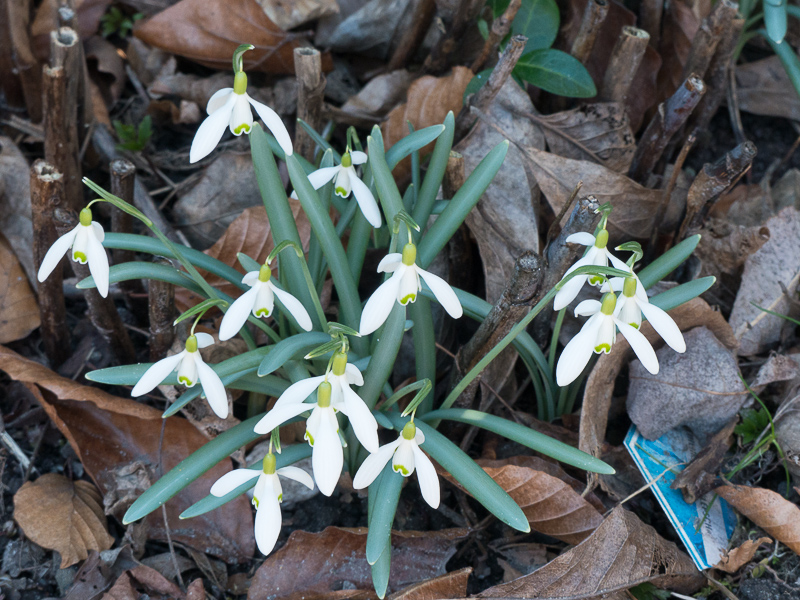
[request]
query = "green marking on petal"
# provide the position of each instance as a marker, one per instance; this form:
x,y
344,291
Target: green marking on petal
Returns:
x,y
401,469
634,325
262,312
255,501
79,257
309,438
243,127
602,348
280,497
341,192
406,299
185,381
596,280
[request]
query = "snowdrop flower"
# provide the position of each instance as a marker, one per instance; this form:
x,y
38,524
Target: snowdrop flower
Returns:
x,y
403,286
191,369
598,335
322,427
634,302
230,107
597,255
346,180
406,456
86,243
260,300
266,498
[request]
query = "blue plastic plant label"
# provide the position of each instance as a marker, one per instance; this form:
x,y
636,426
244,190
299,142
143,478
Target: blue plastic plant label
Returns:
x,y
660,461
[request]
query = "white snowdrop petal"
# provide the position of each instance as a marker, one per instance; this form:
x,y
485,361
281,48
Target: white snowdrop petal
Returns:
x,y
403,460
353,375
250,278
584,238
299,391
274,124
366,201
664,326
322,176
587,308
644,351
297,474
187,369
577,352
99,232
98,263
156,374
210,131
361,419
213,388
374,464
409,285
279,415
426,475
230,481
380,304
56,252
236,315
327,457
390,263
443,292
218,100
617,263
204,340
358,157
293,306
268,521
342,186
241,116
571,288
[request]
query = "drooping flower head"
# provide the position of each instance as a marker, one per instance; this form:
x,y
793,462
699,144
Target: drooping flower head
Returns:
x,y
267,496
191,369
86,245
406,457
334,395
230,107
403,287
345,179
597,336
260,301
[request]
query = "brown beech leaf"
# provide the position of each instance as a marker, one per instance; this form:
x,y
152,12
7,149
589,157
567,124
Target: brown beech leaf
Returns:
x,y
19,312
622,553
208,32
313,564
602,129
450,585
429,100
600,384
635,206
62,515
552,506
681,23
88,13
764,88
118,438
142,581
735,558
725,247
776,515
15,204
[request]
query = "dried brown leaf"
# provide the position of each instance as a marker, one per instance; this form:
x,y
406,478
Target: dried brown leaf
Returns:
x,y
15,204
775,267
208,32
313,564
635,206
603,129
764,88
429,100
109,433
106,67
381,94
142,581
776,515
288,15
600,384
450,585
19,311
680,25
62,515
623,552
87,12
735,558
725,247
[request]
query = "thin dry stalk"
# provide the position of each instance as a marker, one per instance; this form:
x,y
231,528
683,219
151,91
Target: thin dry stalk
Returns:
x,y
712,181
484,97
708,37
161,296
718,73
413,36
123,178
666,122
500,28
47,195
15,20
593,16
102,311
651,13
310,92
625,60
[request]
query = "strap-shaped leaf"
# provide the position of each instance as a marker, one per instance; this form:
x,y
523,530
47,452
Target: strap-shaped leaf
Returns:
x,y
667,262
681,294
411,143
286,349
383,510
525,436
143,270
426,196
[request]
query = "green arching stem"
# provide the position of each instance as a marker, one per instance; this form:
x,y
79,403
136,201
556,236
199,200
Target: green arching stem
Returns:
x,y
554,339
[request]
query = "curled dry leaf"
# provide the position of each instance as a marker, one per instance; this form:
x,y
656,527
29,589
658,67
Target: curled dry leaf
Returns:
x,y
598,133
767,273
450,585
635,206
142,581
15,204
700,389
776,515
314,564
108,432
764,88
19,312
429,100
735,558
725,247
622,553
381,94
106,67
208,32
600,384
62,515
